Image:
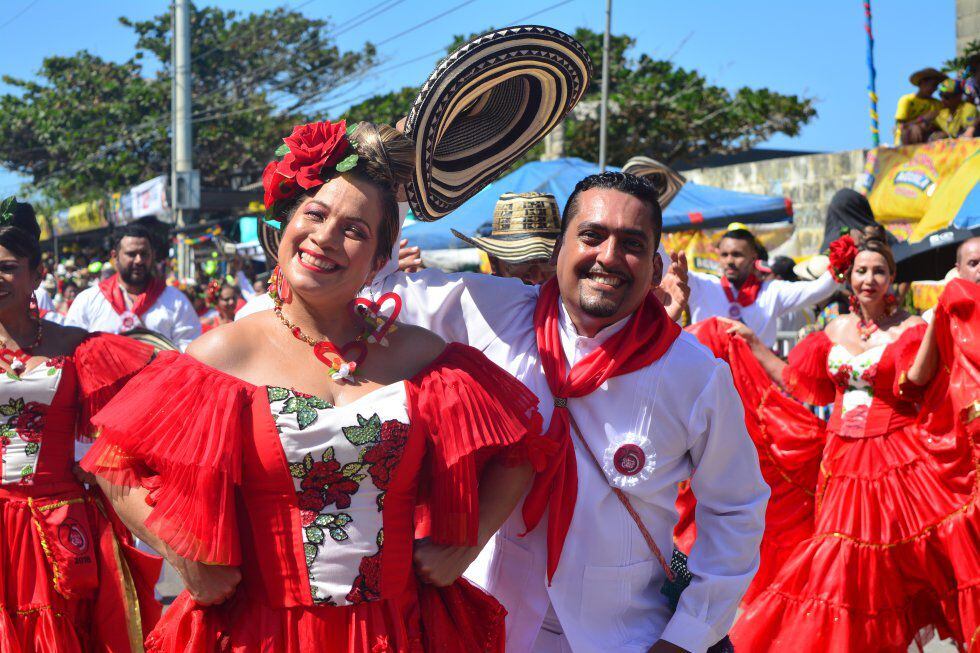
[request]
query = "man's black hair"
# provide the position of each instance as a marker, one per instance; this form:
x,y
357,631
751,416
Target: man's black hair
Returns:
x,y
747,236
624,182
132,231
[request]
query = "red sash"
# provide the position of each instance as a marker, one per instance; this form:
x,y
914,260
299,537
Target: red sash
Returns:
x,y
644,339
114,295
746,294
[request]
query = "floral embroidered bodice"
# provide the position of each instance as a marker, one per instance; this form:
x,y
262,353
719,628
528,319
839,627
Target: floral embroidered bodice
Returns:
x,y
854,375
341,460
25,404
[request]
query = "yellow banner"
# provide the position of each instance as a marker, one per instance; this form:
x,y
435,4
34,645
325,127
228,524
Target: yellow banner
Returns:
x,y
86,217
45,224
903,180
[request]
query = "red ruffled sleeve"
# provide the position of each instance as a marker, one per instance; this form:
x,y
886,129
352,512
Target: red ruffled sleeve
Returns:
x,y
805,375
906,348
104,363
176,429
472,411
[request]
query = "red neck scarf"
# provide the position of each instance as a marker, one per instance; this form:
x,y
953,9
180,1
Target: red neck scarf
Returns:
x,y
114,295
746,294
644,339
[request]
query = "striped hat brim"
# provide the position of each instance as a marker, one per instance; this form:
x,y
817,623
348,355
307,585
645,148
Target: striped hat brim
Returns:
x,y
485,106
513,250
667,180
269,238
156,340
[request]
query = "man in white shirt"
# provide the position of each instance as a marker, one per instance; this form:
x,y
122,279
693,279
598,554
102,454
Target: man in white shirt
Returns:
x,y
967,267
740,295
651,427
134,297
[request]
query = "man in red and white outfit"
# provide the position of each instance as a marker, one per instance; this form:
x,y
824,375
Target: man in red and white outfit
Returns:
x,y
740,295
653,407
135,297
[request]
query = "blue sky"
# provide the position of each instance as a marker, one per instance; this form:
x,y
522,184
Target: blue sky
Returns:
x,y
814,48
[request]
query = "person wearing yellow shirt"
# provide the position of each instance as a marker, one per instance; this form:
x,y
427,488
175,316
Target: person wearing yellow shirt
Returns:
x,y
916,111
957,119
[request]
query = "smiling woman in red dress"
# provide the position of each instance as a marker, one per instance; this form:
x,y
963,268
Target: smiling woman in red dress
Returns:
x,y
289,496
70,581
895,520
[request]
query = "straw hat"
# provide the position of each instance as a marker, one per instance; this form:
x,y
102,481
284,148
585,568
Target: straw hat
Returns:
x,y
812,268
269,237
920,76
485,106
525,228
665,179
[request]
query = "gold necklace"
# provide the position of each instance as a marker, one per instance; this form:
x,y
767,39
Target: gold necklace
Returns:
x,y
341,363
16,359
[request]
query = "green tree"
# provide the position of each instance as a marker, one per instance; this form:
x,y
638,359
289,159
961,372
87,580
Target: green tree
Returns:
x,y
88,126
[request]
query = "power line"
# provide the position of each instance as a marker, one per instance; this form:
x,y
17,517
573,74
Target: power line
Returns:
x,y
19,13
426,22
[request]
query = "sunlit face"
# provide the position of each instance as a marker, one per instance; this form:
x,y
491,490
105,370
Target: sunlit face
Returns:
x,y
870,277
607,256
737,258
929,86
17,280
70,293
227,300
532,273
328,246
134,260
968,261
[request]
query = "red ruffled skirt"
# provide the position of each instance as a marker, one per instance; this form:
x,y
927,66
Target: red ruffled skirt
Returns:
x,y
894,552
457,619
69,580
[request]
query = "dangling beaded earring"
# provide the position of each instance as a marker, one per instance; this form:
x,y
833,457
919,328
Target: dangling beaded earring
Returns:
x,y
279,287
891,303
855,305
33,309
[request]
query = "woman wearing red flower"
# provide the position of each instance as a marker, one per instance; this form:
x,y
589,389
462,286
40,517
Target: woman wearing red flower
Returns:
x,y
881,565
290,500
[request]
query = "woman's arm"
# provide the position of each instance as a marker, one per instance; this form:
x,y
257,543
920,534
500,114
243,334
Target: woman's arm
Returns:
x,y
501,488
207,584
771,363
926,361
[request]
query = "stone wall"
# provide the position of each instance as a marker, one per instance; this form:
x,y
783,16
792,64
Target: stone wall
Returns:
x,y
967,23
809,181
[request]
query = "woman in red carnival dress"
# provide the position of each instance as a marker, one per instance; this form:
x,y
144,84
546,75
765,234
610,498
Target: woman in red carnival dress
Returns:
x,y
70,579
877,572
225,298
288,496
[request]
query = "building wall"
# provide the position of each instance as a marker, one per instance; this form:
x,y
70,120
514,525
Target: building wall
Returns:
x,y
967,23
810,181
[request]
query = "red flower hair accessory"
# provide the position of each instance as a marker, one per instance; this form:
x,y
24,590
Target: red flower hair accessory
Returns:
x,y
311,155
842,253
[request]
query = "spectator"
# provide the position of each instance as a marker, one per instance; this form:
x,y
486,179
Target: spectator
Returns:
x,y
135,296
225,303
916,111
971,80
957,119
68,294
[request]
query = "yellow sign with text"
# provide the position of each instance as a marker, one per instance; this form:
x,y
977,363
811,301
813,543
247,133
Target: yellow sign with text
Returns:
x,y
86,217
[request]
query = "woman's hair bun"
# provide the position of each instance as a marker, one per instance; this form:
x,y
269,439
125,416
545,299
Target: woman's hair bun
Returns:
x,y
20,215
388,155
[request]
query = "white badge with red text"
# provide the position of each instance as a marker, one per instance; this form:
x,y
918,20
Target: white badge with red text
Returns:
x,y
129,320
628,460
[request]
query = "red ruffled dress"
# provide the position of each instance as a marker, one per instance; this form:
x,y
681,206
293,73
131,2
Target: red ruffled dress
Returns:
x,y
879,568
317,504
790,441
70,580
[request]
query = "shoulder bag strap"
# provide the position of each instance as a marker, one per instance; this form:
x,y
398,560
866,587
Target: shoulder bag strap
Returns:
x,y
626,503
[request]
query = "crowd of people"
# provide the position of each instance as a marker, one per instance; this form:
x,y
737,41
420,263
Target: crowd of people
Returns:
x,y
921,117
373,456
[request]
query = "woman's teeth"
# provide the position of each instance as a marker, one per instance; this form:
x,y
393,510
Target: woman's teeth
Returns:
x,y
319,263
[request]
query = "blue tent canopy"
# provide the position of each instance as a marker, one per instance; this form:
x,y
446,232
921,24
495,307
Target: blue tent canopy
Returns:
x,y
695,207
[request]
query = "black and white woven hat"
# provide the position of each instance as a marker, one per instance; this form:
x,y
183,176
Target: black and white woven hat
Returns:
x,y
667,181
269,237
485,106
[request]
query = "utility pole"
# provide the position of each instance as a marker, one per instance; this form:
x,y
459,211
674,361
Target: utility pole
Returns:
x,y
604,106
182,163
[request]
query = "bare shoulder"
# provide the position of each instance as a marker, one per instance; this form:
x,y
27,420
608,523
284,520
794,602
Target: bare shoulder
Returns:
x,y
838,326
415,347
910,322
66,339
227,347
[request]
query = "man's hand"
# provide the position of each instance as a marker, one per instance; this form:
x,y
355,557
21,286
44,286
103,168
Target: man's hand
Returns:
x,y
409,258
674,290
208,584
739,329
663,646
441,565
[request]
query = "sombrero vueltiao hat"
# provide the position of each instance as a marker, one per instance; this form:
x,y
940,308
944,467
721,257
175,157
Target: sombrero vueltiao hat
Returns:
x,y
485,106
147,337
920,76
269,237
525,228
667,181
